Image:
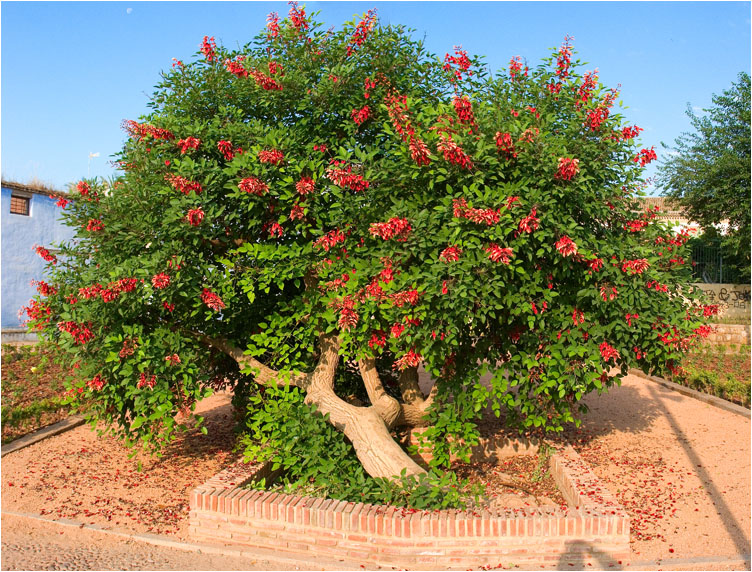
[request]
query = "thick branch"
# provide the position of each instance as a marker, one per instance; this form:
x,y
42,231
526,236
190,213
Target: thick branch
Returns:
x,y
262,373
388,408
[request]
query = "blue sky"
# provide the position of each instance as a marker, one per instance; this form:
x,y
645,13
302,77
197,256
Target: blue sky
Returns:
x,y
73,71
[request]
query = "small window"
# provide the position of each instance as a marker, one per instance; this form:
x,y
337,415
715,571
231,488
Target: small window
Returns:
x,y
19,205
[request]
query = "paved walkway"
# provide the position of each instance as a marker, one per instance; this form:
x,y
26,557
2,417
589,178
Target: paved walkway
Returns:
x,y
681,468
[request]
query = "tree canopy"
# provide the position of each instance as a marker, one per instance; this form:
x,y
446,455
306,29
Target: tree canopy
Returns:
x,y
708,171
339,210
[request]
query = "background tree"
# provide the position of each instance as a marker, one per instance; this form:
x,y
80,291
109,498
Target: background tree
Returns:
x,y
332,210
709,172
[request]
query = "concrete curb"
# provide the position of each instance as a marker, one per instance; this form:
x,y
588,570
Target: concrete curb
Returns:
x,y
43,433
707,398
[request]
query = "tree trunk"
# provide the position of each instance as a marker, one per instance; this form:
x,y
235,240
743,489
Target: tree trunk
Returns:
x,y
378,452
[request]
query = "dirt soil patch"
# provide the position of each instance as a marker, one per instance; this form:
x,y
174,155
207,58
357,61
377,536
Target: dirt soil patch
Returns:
x,y
518,482
96,480
32,385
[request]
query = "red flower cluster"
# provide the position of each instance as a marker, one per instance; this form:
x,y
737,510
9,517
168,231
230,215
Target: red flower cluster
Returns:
x,y
188,143
529,224
594,265
348,317
160,280
563,59
535,310
225,147
86,192
608,352
319,147
397,330
38,313
141,130
453,153
637,266
264,81
212,300
479,216
298,17
505,145
399,299
631,132
235,67
272,24
410,359
345,178
450,254
46,254
460,60
607,295
511,202
361,32
378,338
273,157
498,254
143,381
195,216
297,212
589,83
275,229
361,115
578,317
174,359
710,310
635,225
395,227
62,202
566,246
630,317
330,240
182,184
167,306
645,156
275,68
397,107
97,383
80,332
43,288
253,186
596,117
463,107
654,284
305,186
568,168
94,225
515,68
208,48
529,135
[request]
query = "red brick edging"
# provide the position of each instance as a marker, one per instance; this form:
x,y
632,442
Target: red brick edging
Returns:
x,y
593,529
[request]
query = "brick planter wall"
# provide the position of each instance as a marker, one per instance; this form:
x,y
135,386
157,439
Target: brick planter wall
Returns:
x,y
593,529
729,334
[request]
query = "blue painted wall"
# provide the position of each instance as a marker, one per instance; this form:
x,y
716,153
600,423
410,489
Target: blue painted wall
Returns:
x,y
20,263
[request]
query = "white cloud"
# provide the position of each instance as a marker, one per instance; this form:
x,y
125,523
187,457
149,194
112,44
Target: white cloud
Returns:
x,y
128,10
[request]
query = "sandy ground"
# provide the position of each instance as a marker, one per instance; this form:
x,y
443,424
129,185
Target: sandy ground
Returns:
x,y
680,467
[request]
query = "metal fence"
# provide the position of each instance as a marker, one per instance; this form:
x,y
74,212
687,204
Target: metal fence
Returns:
x,y
708,265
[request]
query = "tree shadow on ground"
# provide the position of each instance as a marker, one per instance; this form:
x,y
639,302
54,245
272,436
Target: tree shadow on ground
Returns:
x,y
579,555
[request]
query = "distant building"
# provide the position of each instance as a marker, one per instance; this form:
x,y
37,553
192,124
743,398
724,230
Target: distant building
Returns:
x,y
669,211
29,218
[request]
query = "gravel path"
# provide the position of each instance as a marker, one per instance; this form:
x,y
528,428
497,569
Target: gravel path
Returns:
x,y
680,467
33,545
